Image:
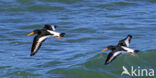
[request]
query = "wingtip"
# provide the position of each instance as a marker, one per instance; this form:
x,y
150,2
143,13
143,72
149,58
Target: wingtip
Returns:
x,y
47,25
32,54
129,35
106,63
55,26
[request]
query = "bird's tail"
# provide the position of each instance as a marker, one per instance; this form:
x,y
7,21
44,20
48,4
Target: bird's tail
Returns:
x,y
136,51
62,34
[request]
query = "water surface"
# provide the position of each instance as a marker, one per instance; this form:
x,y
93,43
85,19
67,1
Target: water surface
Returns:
x,y
90,26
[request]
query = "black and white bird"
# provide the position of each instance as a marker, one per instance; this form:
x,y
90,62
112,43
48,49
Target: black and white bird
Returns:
x,y
42,35
121,48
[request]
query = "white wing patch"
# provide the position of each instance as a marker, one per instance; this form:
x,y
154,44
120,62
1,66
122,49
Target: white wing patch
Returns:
x,y
40,40
114,55
54,33
37,45
53,27
127,42
128,49
43,38
117,53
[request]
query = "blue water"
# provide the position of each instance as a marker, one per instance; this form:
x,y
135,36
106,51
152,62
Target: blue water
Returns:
x,y
90,26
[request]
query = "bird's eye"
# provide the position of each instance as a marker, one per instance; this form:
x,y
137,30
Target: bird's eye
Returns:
x,y
113,48
39,32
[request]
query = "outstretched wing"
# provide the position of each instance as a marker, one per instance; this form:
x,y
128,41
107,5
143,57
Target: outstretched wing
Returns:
x,y
37,42
111,56
50,27
125,42
128,49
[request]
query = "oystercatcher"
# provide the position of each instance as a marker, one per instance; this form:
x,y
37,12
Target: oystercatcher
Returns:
x,y
42,35
120,48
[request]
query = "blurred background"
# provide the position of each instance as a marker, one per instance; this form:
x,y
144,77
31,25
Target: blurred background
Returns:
x,y
90,26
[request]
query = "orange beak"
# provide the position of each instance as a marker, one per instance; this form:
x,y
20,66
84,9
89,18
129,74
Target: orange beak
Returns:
x,y
105,49
58,37
30,34
132,54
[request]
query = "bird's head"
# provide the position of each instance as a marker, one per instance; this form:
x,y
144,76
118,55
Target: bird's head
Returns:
x,y
109,48
34,32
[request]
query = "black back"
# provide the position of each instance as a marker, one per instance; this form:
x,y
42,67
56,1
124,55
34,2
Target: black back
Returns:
x,y
49,27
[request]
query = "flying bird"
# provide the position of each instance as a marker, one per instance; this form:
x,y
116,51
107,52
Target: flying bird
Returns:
x,y
42,35
121,48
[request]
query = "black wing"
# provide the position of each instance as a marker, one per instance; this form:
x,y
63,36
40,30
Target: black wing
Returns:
x,y
111,56
50,27
37,42
125,42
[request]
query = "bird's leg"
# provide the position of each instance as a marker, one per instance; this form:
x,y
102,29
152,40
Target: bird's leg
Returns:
x,y
131,53
58,37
